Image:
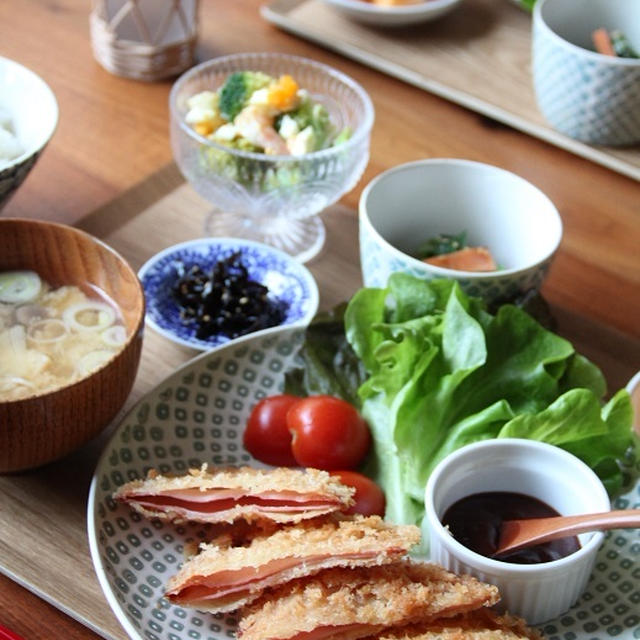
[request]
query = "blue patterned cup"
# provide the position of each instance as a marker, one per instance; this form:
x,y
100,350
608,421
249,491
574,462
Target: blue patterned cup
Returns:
x,y
404,207
586,95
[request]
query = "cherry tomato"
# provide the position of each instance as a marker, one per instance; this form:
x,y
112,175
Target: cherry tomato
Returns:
x,y
266,436
328,433
369,497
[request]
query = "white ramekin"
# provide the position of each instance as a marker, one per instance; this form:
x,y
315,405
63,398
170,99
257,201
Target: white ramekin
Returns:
x,y
537,592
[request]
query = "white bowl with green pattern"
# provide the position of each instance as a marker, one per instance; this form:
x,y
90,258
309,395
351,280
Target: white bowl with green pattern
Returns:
x,y
407,205
198,415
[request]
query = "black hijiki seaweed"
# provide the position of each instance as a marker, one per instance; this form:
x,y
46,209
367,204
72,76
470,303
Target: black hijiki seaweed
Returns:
x,y
224,300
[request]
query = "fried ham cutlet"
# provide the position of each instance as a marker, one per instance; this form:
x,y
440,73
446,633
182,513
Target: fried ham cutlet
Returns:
x,y
229,494
481,624
224,579
345,604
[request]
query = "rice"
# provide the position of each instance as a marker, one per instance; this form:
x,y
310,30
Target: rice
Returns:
x,y
10,147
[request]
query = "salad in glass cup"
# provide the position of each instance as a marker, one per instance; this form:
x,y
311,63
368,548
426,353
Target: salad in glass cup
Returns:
x,y
270,140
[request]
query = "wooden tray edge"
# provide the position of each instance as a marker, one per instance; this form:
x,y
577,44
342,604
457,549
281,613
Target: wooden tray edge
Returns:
x,y
276,12
33,588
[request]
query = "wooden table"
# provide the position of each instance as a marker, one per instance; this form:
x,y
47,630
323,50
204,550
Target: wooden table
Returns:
x,y
113,133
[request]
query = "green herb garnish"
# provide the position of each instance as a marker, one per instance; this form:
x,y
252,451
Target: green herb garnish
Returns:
x,y
441,244
622,46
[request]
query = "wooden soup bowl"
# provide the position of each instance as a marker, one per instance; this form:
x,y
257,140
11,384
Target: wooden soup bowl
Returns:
x,y
47,426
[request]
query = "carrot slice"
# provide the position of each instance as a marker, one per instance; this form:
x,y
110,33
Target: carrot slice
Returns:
x,y
467,259
602,42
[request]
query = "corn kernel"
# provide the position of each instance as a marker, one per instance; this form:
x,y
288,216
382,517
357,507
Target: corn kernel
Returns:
x,y
203,128
283,94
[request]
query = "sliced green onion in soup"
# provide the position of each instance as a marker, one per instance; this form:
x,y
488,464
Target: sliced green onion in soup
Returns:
x,y
93,360
47,331
89,316
9,383
6,309
114,336
19,286
28,313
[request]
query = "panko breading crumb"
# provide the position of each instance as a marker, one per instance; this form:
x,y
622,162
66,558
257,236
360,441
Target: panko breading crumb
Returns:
x,y
246,479
481,624
224,534
363,601
290,553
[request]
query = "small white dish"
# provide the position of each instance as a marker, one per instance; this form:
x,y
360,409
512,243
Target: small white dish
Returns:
x,y
536,592
289,283
394,16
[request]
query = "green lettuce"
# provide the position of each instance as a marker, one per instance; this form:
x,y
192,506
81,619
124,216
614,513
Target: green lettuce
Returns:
x,y
431,370
527,4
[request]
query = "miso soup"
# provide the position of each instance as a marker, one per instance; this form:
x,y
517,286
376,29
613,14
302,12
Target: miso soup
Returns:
x,y
50,338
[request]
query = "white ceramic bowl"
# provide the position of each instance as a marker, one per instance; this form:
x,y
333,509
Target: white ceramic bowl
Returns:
x,y
403,207
33,111
537,592
582,93
394,16
288,281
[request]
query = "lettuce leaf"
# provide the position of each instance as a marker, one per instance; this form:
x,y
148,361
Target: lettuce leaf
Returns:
x,y
331,366
431,370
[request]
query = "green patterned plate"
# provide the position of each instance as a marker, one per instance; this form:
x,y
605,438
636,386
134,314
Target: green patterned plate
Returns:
x,y
197,415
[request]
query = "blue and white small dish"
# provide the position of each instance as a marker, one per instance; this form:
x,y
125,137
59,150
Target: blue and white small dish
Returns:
x,y
288,282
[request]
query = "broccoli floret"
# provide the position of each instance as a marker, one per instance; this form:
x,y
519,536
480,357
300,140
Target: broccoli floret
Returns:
x,y
238,88
321,125
342,137
311,114
242,144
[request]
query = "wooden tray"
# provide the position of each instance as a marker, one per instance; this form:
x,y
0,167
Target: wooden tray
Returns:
x,y
43,540
477,56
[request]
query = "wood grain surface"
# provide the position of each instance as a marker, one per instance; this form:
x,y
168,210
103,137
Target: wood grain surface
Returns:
x,y
113,136
51,502
479,57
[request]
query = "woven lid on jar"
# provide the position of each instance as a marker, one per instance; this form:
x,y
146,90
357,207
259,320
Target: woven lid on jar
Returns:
x,y
144,39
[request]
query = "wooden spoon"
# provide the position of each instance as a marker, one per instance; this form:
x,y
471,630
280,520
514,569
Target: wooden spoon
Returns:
x,y
516,534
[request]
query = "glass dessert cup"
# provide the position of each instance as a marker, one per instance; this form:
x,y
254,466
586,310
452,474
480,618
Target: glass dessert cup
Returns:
x,y
273,199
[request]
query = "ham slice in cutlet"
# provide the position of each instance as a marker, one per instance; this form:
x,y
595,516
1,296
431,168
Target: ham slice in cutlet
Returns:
x,y
226,578
346,604
230,494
